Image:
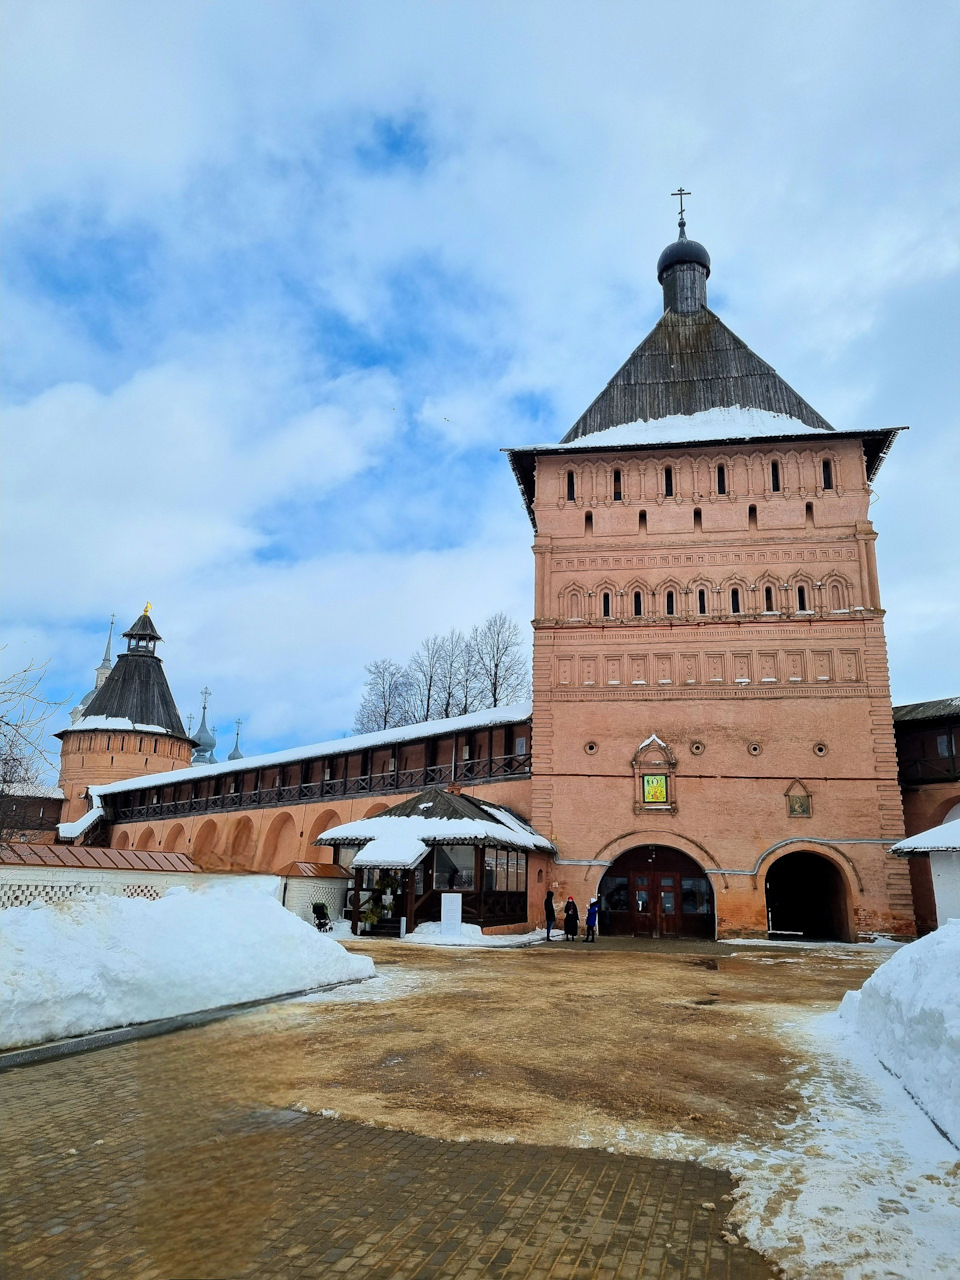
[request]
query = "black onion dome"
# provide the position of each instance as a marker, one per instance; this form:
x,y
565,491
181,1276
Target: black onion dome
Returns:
x,y
682,250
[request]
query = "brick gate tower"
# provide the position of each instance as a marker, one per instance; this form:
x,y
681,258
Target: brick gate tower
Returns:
x,y
712,731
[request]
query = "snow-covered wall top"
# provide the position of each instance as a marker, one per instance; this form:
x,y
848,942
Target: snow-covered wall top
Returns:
x,y
490,718
712,424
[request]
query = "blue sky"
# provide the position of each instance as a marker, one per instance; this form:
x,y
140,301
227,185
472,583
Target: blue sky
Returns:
x,y
281,280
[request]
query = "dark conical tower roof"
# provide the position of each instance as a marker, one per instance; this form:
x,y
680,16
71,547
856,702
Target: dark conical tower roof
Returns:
x,y
136,690
688,363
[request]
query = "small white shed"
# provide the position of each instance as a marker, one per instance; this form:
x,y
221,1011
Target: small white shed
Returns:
x,y
942,846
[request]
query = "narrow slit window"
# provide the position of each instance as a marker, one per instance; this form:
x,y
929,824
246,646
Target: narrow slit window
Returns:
x,y
752,516
588,523
617,487
836,599
671,604
697,519
571,487
802,599
721,479
735,600
668,482
701,601
775,477
643,521
827,467
606,604
768,599
808,517
637,604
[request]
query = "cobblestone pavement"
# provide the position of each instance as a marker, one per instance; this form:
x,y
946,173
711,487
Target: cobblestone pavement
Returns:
x,y
130,1162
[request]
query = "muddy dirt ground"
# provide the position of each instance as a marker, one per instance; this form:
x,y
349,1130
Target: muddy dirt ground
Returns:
x,y
543,1044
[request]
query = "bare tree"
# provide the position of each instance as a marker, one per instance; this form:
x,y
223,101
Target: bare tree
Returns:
x,y
24,759
456,676
384,697
425,680
448,675
501,665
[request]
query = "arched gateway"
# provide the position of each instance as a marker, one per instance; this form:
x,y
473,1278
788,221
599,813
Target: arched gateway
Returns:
x,y
657,892
807,898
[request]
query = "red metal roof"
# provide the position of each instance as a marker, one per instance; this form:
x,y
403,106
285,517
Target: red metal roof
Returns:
x,y
68,855
321,870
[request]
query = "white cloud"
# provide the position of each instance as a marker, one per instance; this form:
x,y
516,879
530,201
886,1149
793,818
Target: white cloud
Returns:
x,y
303,322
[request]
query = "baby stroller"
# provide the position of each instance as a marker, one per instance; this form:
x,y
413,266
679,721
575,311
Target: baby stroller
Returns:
x,y
320,917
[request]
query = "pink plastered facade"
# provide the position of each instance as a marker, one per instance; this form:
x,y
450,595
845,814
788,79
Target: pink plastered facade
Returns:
x,y
778,691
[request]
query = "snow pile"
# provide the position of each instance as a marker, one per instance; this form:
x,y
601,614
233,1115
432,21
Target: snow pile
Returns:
x,y
101,962
471,935
908,1012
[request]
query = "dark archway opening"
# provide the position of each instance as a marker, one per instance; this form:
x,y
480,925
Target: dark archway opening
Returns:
x,y
656,892
806,899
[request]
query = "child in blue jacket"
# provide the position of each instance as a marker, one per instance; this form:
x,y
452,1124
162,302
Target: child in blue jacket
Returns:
x,y
592,912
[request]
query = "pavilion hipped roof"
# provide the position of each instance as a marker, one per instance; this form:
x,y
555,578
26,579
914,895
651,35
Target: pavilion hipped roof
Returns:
x,y
404,833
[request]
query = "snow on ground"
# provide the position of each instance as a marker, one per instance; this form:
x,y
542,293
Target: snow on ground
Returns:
x,y
908,1014
391,983
89,964
841,948
862,1187
471,935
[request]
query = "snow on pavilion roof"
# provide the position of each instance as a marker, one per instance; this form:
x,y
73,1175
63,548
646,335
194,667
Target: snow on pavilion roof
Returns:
x,y
404,833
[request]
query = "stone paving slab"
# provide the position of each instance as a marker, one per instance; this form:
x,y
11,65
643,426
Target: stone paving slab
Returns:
x,y
167,1183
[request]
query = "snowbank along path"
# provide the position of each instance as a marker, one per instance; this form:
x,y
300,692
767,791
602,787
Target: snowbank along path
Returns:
x,y
91,964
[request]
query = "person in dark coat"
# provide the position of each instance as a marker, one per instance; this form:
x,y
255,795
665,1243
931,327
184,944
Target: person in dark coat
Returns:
x,y
320,917
549,912
592,913
571,920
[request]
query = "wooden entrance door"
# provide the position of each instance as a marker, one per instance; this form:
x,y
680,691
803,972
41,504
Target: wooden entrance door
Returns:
x,y
655,904
656,892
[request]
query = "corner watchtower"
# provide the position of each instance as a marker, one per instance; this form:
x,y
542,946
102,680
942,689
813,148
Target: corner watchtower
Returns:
x,y
130,726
